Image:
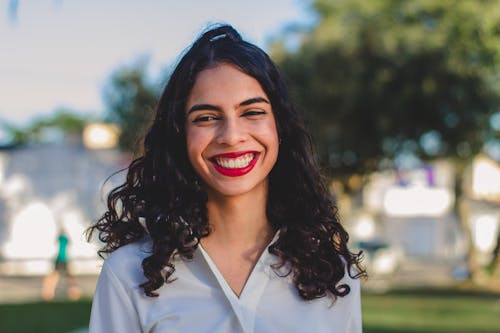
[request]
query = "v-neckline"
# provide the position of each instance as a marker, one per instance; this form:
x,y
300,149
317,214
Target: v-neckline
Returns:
x,y
261,260
222,280
245,306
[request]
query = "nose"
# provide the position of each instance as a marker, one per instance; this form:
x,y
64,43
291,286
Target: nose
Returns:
x,y
231,133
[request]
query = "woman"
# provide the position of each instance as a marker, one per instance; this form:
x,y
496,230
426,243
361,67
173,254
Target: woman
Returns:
x,y
224,224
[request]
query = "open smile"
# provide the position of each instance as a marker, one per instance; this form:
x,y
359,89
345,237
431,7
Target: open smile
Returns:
x,y
235,164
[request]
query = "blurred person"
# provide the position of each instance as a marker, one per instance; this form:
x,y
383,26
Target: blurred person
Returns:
x,y
61,263
224,224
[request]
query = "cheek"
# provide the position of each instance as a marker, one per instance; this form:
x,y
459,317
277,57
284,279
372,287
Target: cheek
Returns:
x,y
274,141
196,143
271,135
268,137
191,143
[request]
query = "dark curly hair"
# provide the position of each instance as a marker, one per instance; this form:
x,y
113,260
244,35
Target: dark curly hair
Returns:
x,y
162,196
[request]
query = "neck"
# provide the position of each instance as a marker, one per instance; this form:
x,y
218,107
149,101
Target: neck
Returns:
x,y
239,222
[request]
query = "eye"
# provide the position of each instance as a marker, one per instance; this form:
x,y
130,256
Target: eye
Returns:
x,y
253,113
205,118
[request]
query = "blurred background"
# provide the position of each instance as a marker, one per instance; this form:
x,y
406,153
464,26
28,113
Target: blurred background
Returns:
x,y
402,98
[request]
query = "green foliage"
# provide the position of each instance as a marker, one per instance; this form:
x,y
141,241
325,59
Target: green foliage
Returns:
x,y
130,101
383,77
14,134
63,120
61,123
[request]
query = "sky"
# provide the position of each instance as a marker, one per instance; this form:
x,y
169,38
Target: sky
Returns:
x,y
59,53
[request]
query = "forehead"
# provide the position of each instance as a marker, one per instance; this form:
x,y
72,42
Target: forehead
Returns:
x,y
224,83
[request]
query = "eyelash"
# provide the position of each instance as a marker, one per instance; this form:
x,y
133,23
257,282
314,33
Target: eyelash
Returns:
x,y
254,113
245,114
205,118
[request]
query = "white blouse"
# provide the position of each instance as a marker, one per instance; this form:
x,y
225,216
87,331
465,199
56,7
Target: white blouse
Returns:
x,y
200,300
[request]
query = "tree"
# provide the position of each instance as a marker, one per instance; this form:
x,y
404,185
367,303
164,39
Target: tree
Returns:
x,y
130,101
61,123
380,78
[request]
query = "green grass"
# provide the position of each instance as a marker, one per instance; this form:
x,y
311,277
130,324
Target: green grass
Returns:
x,y
404,311
429,311
44,317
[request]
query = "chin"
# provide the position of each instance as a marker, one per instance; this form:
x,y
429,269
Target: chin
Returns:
x,y
234,190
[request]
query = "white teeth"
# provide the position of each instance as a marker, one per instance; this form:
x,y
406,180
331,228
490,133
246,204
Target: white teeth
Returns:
x,y
235,163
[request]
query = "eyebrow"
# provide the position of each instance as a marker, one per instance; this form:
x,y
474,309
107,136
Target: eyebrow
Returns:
x,y
211,107
198,107
254,100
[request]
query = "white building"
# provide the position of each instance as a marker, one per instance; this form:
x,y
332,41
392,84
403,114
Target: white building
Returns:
x,y
43,188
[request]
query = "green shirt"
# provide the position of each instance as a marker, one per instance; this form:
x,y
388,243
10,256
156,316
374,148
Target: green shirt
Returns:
x,y
62,255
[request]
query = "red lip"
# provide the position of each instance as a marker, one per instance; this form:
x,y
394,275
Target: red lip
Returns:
x,y
237,172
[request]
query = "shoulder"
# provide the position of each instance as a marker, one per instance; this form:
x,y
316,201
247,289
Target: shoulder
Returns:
x,y
129,254
126,262
351,275
352,280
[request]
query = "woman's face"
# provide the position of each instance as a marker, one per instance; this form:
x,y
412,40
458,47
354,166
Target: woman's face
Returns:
x,y
231,135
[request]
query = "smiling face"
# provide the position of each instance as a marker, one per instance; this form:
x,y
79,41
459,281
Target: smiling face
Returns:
x,y
231,136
